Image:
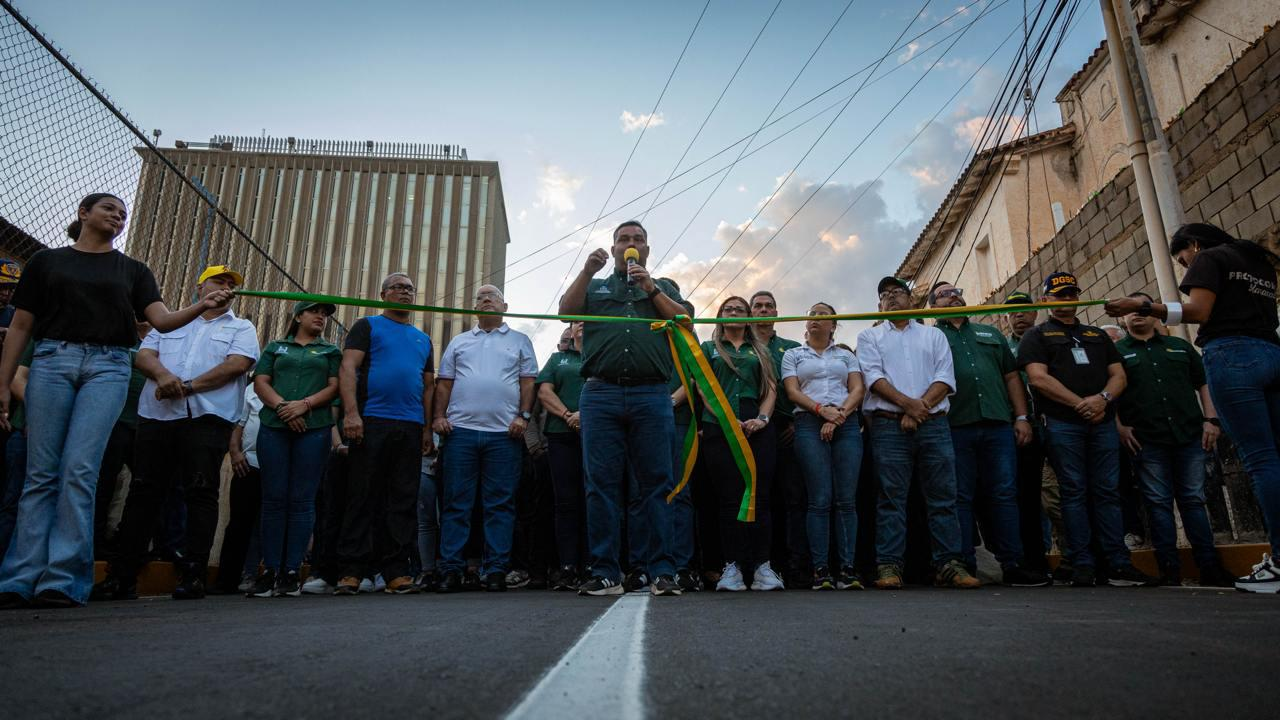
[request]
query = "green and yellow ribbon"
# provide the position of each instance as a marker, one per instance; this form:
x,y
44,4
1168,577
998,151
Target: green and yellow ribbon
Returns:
x,y
690,362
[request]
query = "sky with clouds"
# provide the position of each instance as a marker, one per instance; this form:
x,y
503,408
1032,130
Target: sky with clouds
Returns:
x,y
559,93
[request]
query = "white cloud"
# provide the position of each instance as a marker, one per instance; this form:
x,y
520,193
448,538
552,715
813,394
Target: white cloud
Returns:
x,y
842,268
524,215
912,49
556,191
631,122
742,188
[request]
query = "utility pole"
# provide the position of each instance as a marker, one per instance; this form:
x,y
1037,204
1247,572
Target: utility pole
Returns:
x,y
1171,209
1152,218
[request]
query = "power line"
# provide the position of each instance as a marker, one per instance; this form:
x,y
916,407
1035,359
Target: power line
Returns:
x,y
842,163
1193,16
765,123
632,154
804,157
747,138
712,111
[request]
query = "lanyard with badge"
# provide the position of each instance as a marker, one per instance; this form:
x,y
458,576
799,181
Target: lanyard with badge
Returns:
x,y
1079,353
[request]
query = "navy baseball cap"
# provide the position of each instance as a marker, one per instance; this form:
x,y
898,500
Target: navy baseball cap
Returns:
x,y
1061,282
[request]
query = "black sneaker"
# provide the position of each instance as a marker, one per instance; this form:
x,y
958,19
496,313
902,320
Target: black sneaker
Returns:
x,y
289,585
822,579
114,588
1216,576
598,586
635,581
1130,576
688,580
191,587
1082,577
665,586
566,578
495,582
426,581
1170,577
847,579
13,601
264,586
450,582
1018,576
471,580
54,600
1063,574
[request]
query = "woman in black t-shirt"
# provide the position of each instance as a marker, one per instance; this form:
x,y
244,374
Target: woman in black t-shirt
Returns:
x,y
1232,286
79,304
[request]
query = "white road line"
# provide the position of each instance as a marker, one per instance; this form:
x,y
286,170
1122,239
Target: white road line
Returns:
x,y
602,675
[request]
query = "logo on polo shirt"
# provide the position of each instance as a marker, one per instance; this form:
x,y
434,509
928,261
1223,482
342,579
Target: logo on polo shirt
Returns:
x,y
603,290
1091,333
564,361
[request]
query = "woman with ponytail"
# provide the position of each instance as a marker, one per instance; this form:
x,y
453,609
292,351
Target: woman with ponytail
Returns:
x,y
79,304
1231,285
742,366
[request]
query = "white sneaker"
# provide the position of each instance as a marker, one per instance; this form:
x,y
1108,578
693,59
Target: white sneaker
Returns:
x,y
1132,541
367,586
378,583
316,585
766,579
1265,577
731,579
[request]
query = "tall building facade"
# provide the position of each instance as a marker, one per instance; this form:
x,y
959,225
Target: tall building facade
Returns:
x,y
336,216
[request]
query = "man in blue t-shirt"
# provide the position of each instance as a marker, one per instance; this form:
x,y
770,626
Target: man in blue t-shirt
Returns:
x,y
386,382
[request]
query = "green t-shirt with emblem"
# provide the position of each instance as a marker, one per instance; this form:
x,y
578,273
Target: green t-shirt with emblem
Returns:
x,y
17,408
740,382
564,371
298,371
778,346
625,350
1160,400
981,357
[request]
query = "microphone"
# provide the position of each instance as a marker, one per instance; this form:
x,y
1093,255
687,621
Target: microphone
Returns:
x,y
632,255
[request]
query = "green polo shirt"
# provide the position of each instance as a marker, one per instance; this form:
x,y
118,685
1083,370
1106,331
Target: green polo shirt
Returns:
x,y
625,350
778,346
297,371
1160,400
564,371
129,414
982,358
741,382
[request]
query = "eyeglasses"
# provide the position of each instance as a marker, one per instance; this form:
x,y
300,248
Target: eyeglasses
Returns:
x,y
734,310
949,292
401,287
892,292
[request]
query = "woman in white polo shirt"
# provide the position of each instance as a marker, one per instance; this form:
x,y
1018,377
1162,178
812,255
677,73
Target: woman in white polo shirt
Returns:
x,y
825,383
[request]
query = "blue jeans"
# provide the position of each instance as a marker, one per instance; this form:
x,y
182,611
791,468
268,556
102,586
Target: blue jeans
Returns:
x,y
830,470
15,460
74,395
683,524
926,453
291,464
1086,459
1244,381
627,427
986,464
1166,471
491,459
428,517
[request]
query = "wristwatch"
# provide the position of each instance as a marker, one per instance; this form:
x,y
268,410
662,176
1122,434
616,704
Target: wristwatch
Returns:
x,y
1022,418
1214,421
763,418
1107,396
186,388
1145,309
655,292
526,415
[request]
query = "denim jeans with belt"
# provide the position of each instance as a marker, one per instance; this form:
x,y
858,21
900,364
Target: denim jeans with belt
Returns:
x,y
1166,472
986,466
1244,382
927,453
74,395
490,461
830,471
1086,459
627,426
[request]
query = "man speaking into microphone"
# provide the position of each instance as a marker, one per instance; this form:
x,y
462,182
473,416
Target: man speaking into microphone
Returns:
x,y
625,407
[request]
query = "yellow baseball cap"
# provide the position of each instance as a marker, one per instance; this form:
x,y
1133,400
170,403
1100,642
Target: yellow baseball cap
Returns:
x,y
215,270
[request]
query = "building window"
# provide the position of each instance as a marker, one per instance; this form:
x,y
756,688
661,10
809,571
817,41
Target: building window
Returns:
x,y
425,245
349,243
384,256
464,227
442,252
406,223
482,235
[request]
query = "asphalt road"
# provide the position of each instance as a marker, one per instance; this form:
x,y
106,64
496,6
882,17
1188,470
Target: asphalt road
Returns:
x,y
990,653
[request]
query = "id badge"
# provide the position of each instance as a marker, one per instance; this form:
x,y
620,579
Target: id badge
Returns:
x,y
1082,357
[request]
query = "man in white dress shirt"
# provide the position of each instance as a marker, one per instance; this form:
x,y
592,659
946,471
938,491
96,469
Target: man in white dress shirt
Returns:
x,y
192,400
909,375
484,400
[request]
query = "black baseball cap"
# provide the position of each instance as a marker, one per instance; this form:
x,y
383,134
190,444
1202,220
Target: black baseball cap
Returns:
x,y
1018,298
889,281
1060,282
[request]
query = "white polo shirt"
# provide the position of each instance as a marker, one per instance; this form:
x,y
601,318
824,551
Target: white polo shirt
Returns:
x,y
189,352
250,421
824,376
911,359
486,368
